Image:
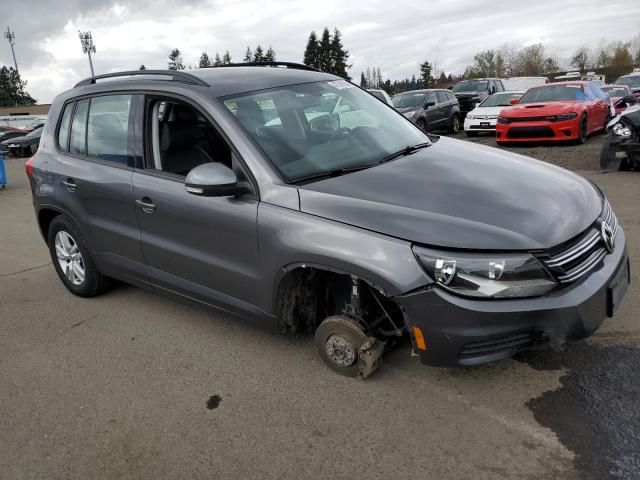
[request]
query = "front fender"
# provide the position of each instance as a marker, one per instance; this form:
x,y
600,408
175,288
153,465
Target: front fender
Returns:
x,y
289,238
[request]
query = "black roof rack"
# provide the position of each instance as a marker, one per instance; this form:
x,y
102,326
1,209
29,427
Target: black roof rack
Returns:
x,y
292,65
174,76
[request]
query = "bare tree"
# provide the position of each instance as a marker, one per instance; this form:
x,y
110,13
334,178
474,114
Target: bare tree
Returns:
x,y
581,59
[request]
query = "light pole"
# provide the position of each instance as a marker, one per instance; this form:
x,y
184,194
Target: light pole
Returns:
x,y
9,35
88,47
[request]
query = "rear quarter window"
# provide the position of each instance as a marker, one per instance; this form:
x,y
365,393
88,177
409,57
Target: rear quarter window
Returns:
x,y
65,125
78,143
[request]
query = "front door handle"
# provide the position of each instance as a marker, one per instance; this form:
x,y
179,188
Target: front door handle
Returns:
x,y
146,205
70,184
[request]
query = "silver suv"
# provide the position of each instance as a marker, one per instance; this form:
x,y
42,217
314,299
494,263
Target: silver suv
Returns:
x,y
297,200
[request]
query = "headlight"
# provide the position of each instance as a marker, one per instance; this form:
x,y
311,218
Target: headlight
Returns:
x,y
409,114
622,130
471,117
567,116
486,275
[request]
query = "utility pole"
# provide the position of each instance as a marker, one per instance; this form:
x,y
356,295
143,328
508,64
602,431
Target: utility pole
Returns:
x,y
88,47
9,35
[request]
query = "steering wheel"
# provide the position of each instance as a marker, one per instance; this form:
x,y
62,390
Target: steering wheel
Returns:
x,y
338,132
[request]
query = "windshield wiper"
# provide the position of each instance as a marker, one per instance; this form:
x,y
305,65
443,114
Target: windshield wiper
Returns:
x,y
334,172
408,150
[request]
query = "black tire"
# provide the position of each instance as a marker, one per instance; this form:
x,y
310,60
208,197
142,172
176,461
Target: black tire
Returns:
x,y
470,133
422,125
609,162
340,329
94,282
583,128
454,124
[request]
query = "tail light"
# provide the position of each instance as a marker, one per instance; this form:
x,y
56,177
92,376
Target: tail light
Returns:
x,y
28,166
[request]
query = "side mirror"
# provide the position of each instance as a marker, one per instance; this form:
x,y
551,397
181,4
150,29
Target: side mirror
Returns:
x,y
429,104
513,101
213,180
630,99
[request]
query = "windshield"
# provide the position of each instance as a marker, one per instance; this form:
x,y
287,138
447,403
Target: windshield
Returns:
x,y
632,81
301,138
554,93
471,86
500,99
407,100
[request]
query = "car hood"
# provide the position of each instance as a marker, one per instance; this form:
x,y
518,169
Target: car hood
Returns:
x,y
455,194
488,111
12,140
541,109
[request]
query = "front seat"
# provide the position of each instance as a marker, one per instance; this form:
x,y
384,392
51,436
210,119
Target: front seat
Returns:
x,y
251,116
180,149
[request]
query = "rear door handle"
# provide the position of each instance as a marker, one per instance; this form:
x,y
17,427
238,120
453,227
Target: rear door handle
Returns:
x,y
146,205
70,184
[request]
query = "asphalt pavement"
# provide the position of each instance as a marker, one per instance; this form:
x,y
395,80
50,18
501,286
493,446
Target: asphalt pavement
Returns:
x,y
133,385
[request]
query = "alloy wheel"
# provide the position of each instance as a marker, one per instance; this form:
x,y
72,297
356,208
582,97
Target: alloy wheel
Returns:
x,y
70,258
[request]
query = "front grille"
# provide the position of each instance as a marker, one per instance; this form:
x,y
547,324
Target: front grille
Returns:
x,y
530,119
507,344
575,260
530,132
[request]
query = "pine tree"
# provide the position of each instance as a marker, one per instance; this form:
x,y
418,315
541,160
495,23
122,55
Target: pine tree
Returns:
x,y
380,81
270,56
13,89
258,54
339,56
217,62
175,60
226,58
425,74
142,67
248,56
311,52
363,80
205,61
325,53
368,78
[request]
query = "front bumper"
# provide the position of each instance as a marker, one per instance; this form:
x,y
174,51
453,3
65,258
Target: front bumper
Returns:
x,y
479,124
462,331
538,131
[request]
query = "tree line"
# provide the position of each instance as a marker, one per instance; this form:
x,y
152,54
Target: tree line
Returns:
x,y
13,90
258,55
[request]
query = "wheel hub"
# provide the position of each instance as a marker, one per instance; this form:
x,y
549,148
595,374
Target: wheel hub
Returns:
x,y
69,258
340,351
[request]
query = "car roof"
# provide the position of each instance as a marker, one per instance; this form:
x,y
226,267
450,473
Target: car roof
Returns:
x,y
424,90
222,81
568,82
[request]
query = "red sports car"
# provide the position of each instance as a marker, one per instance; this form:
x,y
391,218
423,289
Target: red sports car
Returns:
x,y
556,111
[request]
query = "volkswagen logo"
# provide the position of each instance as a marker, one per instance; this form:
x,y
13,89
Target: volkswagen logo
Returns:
x,y
607,236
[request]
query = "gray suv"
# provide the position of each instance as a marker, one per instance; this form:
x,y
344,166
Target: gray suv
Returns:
x,y
430,109
298,201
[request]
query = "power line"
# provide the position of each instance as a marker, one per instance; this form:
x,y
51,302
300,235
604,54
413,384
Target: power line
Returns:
x,y
11,37
88,47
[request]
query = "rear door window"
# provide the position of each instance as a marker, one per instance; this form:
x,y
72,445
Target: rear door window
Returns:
x,y
107,134
442,97
78,142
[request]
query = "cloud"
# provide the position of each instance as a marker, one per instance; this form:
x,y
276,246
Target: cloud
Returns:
x,y
395,37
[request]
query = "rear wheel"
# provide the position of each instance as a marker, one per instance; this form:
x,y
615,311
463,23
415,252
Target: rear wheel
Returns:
x,y
454,127
73,260
582,130
338,340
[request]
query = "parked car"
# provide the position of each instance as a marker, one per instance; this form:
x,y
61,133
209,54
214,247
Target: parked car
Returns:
x,y
471,92
361,234
621,149
616,93
483,118
4,129
23,146
430,109
557,111
632,81
522,84
381,95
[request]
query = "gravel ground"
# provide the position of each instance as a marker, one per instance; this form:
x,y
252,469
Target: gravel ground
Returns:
x,y
574,157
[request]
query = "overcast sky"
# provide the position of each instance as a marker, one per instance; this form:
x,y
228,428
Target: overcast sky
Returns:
x,y
394,35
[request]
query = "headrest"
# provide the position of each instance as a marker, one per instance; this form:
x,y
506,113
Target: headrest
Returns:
x,y
250,113
177,135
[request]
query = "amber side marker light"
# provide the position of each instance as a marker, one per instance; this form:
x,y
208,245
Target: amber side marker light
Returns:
x,y
419,337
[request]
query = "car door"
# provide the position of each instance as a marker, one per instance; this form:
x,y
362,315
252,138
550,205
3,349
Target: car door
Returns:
x,y
432,113
93,180
444,108
596,108
204,248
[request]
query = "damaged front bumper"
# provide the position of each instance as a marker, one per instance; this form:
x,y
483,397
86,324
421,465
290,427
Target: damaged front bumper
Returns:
x,y
462,331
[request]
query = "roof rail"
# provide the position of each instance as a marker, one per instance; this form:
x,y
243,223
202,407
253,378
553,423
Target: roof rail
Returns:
x,y
291,65
175,76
